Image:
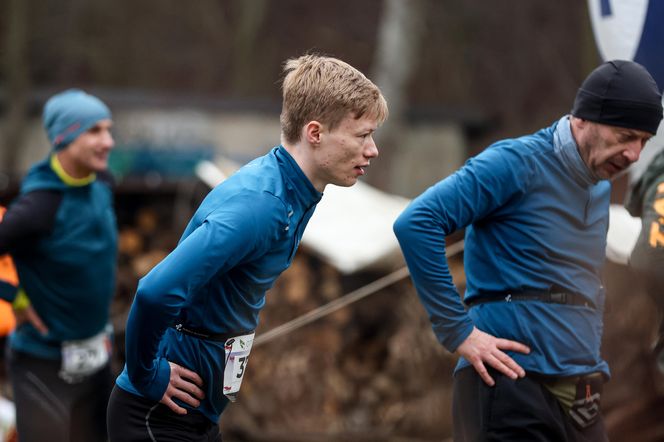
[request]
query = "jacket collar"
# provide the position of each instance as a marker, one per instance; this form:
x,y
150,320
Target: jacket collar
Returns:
x,y
568,151
296,181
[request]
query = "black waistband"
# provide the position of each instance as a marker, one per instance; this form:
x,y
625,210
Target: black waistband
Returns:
x,y
204,334
566,298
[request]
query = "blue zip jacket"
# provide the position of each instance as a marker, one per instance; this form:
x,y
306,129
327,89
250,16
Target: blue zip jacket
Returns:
x,y
241,238
535,221
63,239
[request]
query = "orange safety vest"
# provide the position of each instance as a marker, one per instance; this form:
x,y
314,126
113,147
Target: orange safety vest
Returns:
x,y
7,274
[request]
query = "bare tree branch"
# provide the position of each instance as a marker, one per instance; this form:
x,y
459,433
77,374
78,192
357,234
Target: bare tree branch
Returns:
x,y
18,83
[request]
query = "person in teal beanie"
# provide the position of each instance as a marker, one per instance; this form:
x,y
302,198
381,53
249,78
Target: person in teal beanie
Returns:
x,y
61,232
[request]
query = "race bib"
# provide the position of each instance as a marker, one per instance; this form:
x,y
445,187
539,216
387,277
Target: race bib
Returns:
x,y
85,357
237,351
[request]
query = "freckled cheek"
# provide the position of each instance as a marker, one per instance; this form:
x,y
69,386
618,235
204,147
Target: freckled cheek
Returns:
x,y
327,160
349,155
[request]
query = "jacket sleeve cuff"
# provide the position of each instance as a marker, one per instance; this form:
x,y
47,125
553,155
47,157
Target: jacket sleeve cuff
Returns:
x,y
452,341
155,390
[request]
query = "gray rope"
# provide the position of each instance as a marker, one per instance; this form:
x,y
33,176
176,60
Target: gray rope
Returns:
x,y
345,300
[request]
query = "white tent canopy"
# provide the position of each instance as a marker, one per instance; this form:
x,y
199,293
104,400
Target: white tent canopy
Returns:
x,y
352,227
624,230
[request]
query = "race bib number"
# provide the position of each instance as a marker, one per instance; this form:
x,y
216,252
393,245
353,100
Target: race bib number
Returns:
x,y
237,351
85,357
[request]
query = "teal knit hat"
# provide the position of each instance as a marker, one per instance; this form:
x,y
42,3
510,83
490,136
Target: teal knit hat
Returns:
x,y
70,113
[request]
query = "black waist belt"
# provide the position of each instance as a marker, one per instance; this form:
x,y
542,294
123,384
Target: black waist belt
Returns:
x,y
566,298
204,334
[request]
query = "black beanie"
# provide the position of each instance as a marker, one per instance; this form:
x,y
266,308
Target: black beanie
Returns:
x,y
620,93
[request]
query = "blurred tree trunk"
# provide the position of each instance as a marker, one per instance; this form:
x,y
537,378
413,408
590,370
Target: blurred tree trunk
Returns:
x,y
18,84
251,16
398,48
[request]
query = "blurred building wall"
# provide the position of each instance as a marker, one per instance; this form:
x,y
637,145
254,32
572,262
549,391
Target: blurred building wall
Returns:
x,y
169,142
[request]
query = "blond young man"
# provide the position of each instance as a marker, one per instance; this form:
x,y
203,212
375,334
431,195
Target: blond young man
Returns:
x,y
191,325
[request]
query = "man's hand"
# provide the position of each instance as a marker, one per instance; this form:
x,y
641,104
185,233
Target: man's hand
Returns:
x,y
480,348
28,314
184,385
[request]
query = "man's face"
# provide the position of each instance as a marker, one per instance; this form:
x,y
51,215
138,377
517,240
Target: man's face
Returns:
x,y
609,150
89,151
344,153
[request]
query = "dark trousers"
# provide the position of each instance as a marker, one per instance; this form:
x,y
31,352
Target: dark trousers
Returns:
x,y
133,418
521,410
50,409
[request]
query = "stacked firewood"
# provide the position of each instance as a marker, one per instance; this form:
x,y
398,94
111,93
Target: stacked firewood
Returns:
x,y
371,371
142,243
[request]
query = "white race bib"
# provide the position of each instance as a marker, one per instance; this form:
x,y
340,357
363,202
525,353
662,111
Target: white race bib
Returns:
x,y
84,357
237,351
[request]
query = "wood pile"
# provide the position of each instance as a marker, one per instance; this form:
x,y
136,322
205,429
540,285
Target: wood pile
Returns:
x,y
142,243
371,371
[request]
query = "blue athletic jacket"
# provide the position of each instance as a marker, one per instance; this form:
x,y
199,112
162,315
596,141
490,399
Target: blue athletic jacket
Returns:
x,y
241,238
63,238
535,221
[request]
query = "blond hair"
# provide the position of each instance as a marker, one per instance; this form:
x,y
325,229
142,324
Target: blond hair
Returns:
x,y
326,89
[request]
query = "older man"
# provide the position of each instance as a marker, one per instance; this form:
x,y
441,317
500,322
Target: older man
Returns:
x,y
535,210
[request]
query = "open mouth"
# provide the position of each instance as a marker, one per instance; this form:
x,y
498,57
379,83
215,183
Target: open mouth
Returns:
x,y
617,167
361,169
614,169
